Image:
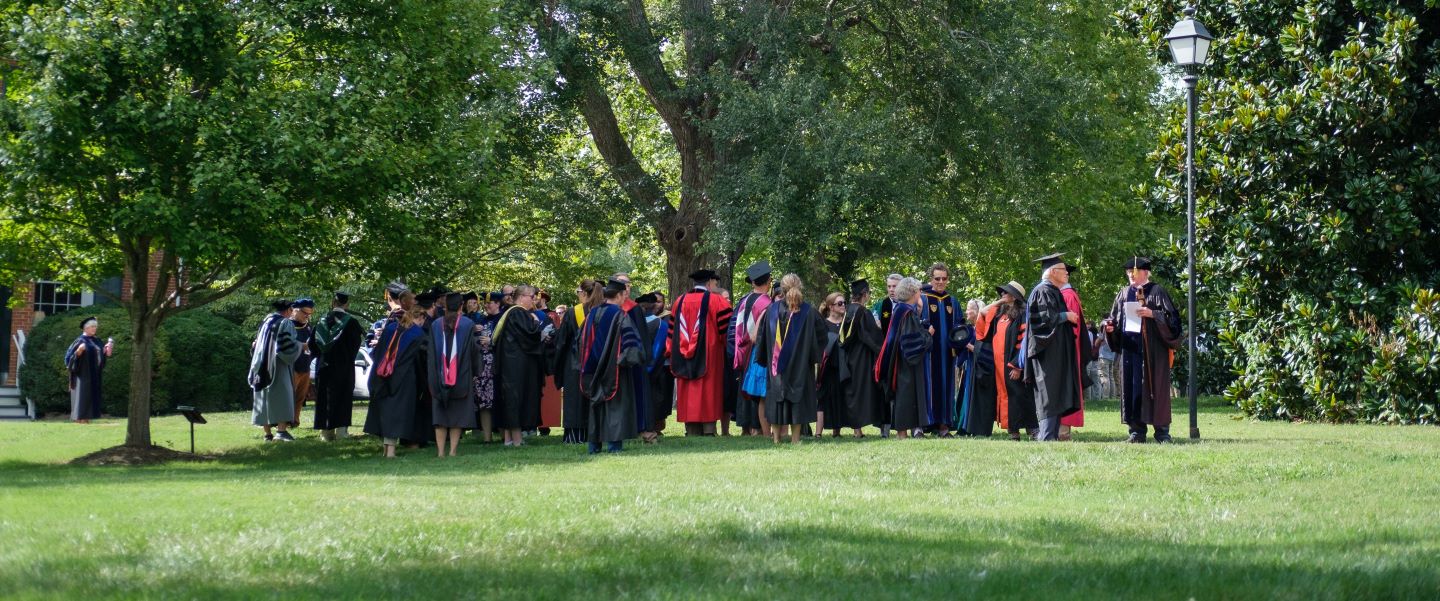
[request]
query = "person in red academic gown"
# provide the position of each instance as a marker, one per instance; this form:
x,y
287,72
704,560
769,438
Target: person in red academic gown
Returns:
x,y
697,354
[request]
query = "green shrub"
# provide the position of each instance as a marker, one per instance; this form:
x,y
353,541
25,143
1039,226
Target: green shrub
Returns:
x,y
200,360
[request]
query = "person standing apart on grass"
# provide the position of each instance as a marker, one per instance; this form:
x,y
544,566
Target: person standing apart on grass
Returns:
x,y
697,355
453,362
790,341
611,357
1052,360
860,338
272,359
900,368
85,359
301,311
519,344
565,362
337,340
833,372
750,405
397,378
1145,351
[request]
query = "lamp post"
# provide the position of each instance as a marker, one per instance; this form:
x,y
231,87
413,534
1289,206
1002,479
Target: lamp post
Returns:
x,y
1189,45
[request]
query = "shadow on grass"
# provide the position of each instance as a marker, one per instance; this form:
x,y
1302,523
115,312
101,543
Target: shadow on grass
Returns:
x,y
727,558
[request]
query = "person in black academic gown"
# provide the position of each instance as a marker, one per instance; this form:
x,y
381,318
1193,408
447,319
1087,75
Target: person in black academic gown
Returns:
x,y
998,393
565,365
1144,356
611,354
900,369
454,360
791,340
519,367
644,416
833,372
860,338
397,379
85,359
1051,364
338,336
657,366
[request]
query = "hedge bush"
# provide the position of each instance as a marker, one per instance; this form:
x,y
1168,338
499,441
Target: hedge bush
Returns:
x,y
200,359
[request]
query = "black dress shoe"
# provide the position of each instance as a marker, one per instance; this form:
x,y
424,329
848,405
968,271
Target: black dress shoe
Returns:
x,y
1163,439
1136,438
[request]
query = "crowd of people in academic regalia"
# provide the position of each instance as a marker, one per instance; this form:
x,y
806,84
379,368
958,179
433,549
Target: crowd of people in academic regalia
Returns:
x,y
613,368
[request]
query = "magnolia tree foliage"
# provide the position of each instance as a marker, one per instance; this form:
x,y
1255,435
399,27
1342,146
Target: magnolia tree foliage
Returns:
x,y
221,142
1318,183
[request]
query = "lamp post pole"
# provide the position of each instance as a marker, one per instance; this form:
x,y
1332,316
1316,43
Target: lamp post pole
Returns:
x,y
1190,45
1190,80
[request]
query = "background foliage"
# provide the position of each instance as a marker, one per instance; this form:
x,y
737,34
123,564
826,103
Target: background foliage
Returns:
x,y
1318,198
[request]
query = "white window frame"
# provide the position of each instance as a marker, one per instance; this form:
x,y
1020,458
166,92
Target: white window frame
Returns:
x,y
87,297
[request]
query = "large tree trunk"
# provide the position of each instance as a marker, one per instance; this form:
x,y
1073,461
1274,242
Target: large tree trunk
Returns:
x,y
137,428
145,317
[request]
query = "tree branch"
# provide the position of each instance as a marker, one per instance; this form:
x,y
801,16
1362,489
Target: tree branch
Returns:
x,y
642,51
595,106
482,255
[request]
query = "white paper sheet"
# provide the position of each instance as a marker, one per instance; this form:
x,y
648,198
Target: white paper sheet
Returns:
x,y
1132,317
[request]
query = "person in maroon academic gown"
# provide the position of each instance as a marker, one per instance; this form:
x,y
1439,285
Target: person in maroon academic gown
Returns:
x,y
1144,352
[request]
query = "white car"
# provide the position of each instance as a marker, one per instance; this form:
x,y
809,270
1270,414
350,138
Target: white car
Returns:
x,y
362,373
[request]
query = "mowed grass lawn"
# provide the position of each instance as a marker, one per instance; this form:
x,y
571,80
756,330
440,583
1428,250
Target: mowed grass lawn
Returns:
x,y
1255,511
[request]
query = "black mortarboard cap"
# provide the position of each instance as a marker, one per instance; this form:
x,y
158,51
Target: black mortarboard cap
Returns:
x,y
342,298
648,297
1048,261
425,299
615,286
395,289
469,296
859,287
1138,263
759,270
704,276
496,296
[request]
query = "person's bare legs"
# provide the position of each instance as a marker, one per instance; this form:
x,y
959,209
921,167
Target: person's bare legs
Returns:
x,y
795,433
455,441
486,427
819,424
764,423
440,432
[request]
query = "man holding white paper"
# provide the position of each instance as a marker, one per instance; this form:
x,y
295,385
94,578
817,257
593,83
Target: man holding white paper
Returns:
x,y
1144,330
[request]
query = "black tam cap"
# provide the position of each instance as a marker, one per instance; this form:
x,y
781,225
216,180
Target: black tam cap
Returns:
x,y
469,296
496,297
648,297
757,271
426,299
280,304
303,303
1138,263
453,301
704,276
342,298
87,321
859,287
